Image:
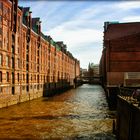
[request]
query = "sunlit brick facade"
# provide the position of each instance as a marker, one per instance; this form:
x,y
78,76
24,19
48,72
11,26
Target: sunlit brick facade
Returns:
x,y
31,63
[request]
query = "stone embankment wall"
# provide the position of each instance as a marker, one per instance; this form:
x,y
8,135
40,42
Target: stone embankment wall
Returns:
x,y
6,101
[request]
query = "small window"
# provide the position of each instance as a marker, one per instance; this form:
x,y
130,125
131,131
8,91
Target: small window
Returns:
x,y
38,78
7,61
0,89
13,39
0,59
0,44
18,63
0,18
23,87
23,77
18,77
0,30
0,5
13,78
7,76
0,76
44,79
13,49
13,64
37,68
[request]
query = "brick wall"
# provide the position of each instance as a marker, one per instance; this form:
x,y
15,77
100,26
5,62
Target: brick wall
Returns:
x,y
31,63
122,51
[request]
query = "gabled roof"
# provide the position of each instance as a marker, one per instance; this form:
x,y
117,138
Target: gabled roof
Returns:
x,y
34,24
25,10
35,20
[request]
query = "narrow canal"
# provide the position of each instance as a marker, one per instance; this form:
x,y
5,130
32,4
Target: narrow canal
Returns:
x,y
80,113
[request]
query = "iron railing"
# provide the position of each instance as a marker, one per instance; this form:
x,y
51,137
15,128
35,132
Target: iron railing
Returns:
x,y
131,95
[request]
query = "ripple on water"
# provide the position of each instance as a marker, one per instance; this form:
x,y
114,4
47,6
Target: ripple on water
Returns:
x,y
80,113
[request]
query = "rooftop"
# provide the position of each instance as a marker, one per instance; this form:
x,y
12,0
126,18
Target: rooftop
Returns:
x,y
117,30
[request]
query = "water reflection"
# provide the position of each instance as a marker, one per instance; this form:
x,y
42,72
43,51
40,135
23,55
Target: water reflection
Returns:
x,y
80,113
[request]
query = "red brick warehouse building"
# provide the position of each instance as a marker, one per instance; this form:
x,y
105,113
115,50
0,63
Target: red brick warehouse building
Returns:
x,y
120,61
30,62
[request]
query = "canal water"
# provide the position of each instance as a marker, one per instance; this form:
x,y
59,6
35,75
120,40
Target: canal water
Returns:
x,y
80,113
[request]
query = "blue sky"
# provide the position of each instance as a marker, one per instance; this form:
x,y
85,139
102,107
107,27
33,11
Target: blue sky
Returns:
x,y
80,23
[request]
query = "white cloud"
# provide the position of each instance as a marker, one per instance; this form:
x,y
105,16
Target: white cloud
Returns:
x,y
132,19
129,5
89,55
82,42
75,37
88,13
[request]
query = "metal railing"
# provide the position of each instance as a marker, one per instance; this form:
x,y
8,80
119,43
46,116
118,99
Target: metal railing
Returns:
x,y
131,95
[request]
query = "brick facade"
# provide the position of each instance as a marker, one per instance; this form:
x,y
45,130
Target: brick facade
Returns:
x,y
121,54
30,62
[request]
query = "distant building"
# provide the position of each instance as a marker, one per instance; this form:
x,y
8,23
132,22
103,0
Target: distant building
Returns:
x,y
83,72
93,70
96,69
90,70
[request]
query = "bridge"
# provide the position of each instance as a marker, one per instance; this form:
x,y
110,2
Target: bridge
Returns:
x,y
89,79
